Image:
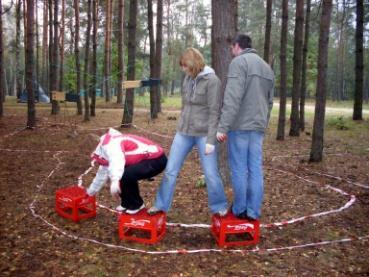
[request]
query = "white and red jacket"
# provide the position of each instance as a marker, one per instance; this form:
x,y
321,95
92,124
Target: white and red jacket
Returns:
x,y
115,151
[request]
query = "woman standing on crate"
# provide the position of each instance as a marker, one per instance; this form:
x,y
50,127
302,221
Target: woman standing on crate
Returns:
x,y
197,126
125,159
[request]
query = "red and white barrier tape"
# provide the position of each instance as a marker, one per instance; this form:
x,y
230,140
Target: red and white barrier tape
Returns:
x,y
184,251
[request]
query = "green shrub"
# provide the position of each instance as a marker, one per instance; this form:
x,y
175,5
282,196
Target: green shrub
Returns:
x,y
339,123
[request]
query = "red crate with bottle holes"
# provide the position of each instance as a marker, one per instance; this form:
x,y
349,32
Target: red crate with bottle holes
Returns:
x,y
232,231
142,227
73,203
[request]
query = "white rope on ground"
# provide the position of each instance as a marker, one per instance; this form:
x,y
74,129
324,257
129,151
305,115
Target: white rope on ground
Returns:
x,y
13,133
303,156
341,179
276,224
185,251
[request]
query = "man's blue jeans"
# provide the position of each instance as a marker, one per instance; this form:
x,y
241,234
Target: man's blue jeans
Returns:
x,y
181,146
245,151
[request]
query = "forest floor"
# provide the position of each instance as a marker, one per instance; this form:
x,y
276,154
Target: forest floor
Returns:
x,y
325,205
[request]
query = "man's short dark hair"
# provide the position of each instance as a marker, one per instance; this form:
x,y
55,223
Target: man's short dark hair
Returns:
x,y
244,41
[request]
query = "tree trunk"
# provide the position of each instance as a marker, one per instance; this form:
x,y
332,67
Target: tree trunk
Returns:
x,y
31,118
1,63
283,80
50,57
95,8
224,15
158,50
62,31
24,27
76,56
55,60
5,84
72,35
340,67
316,153
297,56
86,84
120,51
45,54
268,27
129,101
37,75
107,52
359,62
18,75
153,91
304,66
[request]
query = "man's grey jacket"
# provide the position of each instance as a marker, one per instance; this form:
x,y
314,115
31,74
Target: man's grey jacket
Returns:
x,y
248,97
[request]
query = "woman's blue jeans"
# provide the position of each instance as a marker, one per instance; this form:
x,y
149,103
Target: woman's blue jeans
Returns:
x,y
181,146
245,154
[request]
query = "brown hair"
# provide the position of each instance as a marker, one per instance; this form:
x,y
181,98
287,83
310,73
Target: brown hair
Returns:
x,y
194,60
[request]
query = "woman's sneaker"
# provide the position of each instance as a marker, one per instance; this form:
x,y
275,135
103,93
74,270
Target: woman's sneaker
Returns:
x,y
153,210
136,210
120,209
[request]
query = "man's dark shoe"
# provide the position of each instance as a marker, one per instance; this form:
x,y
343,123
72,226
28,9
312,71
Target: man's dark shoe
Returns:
x,y
244,215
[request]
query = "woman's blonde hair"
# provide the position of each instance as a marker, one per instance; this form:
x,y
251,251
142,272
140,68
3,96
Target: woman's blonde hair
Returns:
x,y
193,59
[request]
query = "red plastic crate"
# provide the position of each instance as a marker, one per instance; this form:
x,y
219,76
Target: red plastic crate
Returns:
x,y
142,227
242,232
73,203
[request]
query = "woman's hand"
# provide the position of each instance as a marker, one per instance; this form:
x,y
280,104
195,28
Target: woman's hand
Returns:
x,y
115,189
209,148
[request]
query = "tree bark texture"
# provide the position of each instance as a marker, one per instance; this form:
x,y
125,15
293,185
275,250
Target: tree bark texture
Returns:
x,y
297,64
304,65
316,153
55,60
62,31
50,56
107,52
37,44
158,50
224,15
283,79
95,12
131,71
153,98
268,28
76,56
45,49
29,59
120,51
359,62
25,24
86,83
339,94
18,75
1,62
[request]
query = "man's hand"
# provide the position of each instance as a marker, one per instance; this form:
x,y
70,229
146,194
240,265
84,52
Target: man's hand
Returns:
x,y
209,148
115,189
221,137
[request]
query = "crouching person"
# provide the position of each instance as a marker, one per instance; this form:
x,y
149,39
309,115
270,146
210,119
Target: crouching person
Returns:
x,y
125,159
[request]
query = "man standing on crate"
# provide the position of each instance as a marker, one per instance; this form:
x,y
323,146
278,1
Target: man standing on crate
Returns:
x,y
248,100
125,159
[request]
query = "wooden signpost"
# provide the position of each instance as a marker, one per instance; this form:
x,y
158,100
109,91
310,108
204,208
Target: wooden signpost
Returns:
x,y
57,95
131,84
